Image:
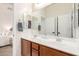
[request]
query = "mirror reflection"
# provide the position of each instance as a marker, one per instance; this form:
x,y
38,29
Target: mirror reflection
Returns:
x,y
55,19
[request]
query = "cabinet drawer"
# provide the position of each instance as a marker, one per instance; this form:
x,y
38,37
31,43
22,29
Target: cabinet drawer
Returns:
x,y
35,53
35,46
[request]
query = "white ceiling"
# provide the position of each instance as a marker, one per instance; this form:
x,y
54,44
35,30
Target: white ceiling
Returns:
x,y
41,5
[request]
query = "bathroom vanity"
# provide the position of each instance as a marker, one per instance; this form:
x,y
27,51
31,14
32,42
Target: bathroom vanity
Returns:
x,y
31,48
54,21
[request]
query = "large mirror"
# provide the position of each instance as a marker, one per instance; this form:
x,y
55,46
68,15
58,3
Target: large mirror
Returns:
x,y
56,19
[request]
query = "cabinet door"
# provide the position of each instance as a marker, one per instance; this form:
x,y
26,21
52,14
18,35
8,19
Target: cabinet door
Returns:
x,y
42,51
45,51
25,47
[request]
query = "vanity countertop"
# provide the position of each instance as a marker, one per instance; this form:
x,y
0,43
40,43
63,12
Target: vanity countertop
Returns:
x,y
69,47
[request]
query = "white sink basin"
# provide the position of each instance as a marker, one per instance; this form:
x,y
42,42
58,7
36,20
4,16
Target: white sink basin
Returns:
x,y
54,39
73,44
46,39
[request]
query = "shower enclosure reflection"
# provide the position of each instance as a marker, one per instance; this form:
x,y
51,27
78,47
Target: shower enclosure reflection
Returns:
x,y
56,20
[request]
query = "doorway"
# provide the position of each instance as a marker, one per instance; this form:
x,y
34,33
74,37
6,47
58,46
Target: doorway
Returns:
x,y
6,30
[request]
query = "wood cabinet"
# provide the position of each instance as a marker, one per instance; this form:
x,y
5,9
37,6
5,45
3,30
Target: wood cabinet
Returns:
x,y
35,49
29,48
35,46
46,51
35,52
25,47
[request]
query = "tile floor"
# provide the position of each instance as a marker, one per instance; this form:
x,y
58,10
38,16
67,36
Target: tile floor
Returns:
x,y
6,51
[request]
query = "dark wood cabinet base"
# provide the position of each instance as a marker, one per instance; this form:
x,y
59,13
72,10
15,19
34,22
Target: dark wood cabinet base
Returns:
x,y
29,48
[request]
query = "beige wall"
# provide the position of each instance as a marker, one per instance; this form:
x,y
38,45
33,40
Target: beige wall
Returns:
x,y
6,16
58,9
